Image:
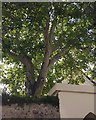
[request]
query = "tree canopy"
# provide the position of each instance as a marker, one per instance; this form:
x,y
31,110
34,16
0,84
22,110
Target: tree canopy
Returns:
x,y
45,43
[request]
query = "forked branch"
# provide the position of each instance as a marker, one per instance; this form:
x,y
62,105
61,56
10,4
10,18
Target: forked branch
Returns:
x,y
57,56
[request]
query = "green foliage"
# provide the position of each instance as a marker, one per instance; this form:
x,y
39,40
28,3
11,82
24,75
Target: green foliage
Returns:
x,y
20,100
23,28
14,77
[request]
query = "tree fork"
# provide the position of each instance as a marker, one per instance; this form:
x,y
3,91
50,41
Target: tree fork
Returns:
x,y
40,84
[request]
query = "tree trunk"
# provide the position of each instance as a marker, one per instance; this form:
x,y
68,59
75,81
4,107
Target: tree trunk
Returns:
x,y
43,73
34,88
30,80
40,83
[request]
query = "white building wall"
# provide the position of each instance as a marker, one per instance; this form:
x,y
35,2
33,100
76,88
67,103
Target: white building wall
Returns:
x,y
75,105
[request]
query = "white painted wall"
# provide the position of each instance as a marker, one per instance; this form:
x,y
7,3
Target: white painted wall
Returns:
x,y
75,101
75,105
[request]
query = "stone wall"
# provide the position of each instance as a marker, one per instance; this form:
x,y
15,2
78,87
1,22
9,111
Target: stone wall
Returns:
x,y
32,110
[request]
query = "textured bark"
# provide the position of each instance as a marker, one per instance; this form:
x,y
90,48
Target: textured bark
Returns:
x,y
30,80
48,36
44,68
40,82
43,72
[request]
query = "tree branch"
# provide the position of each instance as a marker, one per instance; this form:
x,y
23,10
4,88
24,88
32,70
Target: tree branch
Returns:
x,y
46,32
88,78
57,57
44,67
29,68
43,70
51,34
57,46
26,61
13,54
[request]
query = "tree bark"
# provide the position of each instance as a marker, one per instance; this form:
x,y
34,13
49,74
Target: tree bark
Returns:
x,y
41,81
44,67
30,79
43,72
29,70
